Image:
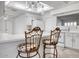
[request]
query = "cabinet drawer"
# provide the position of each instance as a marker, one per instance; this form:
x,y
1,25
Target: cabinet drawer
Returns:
x,y
68,37
68,42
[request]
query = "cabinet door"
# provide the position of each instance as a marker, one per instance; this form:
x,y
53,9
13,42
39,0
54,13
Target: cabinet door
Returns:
x,y
68,40
76,41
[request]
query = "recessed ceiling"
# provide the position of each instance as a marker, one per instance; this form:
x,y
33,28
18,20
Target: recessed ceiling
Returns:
x,y
59,4
33,6
55,4
16,8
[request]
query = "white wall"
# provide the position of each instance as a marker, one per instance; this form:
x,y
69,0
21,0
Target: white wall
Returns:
x,y
39,23
1,14
21,22
1,19
2,7
1,25
50,23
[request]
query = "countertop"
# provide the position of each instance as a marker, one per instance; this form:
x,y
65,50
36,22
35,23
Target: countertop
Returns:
x,y
9,38
17,37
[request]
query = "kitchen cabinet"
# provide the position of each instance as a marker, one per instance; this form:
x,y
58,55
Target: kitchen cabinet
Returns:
x,y
68,40
72,40
75,39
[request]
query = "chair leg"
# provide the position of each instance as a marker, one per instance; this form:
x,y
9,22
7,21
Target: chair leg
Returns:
x,y
17,54
28,55
39,55
55,52
43,50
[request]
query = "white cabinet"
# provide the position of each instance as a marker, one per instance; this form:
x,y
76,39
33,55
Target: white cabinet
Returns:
x,y
72,40
68,40
75,40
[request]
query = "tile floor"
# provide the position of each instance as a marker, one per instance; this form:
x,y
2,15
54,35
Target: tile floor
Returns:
x,y
9,50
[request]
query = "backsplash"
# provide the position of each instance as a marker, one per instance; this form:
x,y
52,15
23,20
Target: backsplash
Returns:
x,y
69,29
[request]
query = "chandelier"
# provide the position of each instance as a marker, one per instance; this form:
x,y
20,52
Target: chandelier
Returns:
x,y
34,5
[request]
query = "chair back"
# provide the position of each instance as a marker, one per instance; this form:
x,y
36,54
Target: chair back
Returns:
x,y
55,35
33,37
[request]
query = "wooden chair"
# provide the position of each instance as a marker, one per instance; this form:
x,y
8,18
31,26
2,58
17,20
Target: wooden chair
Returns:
x,y
32,43
51,42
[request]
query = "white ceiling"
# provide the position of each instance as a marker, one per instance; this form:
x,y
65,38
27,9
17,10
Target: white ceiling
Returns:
x,y
59,4
12,11
55,4
16,8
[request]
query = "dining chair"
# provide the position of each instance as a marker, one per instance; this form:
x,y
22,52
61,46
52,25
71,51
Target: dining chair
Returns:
x,y
52,41
30,47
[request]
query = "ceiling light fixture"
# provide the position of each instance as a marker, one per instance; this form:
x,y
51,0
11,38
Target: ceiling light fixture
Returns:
x,y
32,6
